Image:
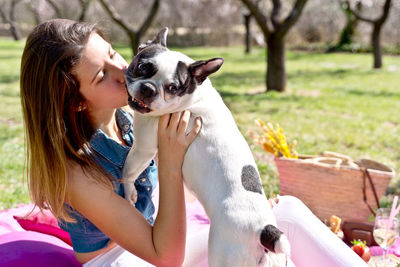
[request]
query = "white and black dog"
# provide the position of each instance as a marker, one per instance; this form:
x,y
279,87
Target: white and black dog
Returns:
x,y
218,167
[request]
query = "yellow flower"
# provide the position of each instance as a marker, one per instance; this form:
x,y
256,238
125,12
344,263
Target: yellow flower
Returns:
x,y
274,141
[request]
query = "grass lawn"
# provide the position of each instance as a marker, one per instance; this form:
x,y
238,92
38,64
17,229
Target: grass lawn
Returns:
x,y
333,102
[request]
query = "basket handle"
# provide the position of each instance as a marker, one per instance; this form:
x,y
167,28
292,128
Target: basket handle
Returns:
x,y
365,176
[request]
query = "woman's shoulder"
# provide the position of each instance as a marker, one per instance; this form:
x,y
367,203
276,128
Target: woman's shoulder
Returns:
x,y
74,170
75,178
78,177
81,182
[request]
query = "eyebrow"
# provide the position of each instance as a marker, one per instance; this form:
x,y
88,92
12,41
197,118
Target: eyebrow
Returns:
x,y
102,67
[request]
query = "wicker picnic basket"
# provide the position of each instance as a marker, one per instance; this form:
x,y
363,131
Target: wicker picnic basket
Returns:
x,y
329,186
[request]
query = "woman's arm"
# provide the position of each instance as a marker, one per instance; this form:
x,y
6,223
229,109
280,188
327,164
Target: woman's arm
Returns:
x,y
170,231
164,243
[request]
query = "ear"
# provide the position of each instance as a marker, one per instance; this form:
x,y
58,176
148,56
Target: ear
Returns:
x,y
160,39
200,70
182,72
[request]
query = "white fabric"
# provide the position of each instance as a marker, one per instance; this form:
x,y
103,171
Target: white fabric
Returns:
x,y
116,257
196,254
312,243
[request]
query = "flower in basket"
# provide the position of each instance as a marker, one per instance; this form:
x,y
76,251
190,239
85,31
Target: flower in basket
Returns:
x,y
273,140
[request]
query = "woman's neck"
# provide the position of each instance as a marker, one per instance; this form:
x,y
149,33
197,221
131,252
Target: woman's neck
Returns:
x,y
107,122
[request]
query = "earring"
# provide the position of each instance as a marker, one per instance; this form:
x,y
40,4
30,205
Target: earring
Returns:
x,y
81,107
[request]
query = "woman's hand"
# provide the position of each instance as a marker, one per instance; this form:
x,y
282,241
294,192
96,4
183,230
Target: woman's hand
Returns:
x,y
173,141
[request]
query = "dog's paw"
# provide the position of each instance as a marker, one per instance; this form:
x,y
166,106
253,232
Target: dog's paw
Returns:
x,y
274,240
133,198
130,193
282,245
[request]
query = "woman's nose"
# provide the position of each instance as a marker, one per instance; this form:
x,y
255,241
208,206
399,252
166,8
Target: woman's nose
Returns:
x,y
120,73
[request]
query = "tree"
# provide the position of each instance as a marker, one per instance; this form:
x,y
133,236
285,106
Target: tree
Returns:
x,y
10,19
247,24
377,25
56,8
61,11
347,34
84,8
33,7
134,36
274,30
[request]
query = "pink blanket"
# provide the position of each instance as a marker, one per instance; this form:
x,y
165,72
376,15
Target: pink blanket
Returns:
x,y
38,241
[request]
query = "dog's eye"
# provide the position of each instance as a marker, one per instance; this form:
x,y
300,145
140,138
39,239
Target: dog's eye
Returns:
x,y
172,88
142,68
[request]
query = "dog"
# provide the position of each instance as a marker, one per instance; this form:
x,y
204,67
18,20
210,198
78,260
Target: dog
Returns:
x,y
218,166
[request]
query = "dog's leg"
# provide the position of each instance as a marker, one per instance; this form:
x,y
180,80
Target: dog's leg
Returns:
x,y
141,154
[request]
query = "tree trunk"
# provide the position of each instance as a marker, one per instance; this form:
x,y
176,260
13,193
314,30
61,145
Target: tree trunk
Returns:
x,y
134,36
377,25
14,32
13,24
84,8
11,20
376,45
56,9
247,21
134,40
347,34
33,7
276,70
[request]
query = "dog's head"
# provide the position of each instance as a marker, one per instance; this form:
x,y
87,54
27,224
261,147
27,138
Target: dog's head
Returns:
x,y
160,80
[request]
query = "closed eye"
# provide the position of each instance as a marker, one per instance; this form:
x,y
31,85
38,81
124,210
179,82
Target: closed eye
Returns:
x,y
113,54
103,73
103,76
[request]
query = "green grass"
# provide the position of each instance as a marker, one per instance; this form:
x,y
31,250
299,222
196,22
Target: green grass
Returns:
x,y
13,189
333,102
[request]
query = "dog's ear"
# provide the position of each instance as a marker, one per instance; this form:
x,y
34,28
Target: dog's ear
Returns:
x,y
160,39
200,70
182,72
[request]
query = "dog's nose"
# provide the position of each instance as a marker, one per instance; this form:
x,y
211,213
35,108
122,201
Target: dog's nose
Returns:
x,y
148,90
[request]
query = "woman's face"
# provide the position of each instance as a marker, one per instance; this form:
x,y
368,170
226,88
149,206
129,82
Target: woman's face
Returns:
x,y
101,76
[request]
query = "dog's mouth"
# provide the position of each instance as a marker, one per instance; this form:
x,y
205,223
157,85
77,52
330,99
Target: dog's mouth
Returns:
x,y
138,105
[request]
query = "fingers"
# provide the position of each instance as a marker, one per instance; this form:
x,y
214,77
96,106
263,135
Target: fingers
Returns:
x,y
176,124
184,120
198,122
173,141
174,121
164,121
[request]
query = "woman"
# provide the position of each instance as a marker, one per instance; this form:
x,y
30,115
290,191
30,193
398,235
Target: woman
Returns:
x,y
72,91
72,86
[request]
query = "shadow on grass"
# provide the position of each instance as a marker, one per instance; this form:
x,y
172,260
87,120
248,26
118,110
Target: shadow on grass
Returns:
x,y
374,93
237,78
9,78
262,96
261,103
9,57
335,73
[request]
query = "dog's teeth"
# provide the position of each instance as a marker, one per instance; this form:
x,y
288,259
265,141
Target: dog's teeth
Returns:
x,y
140,103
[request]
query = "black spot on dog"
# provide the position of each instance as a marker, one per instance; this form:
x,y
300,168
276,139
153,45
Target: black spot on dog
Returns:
x,y
269,235
150,51
251,180
143,66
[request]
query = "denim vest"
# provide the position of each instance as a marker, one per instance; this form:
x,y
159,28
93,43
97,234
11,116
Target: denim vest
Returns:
x,y
85,236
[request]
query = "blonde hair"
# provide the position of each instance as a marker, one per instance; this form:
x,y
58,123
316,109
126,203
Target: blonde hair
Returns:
x,y
56,131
